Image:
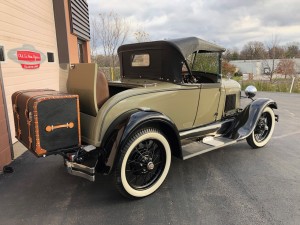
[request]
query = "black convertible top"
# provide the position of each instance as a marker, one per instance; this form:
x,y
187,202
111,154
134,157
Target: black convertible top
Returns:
x,y
191,44
166,57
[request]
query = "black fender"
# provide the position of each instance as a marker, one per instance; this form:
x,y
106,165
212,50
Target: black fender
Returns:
x,y
246,120
125,125
110,142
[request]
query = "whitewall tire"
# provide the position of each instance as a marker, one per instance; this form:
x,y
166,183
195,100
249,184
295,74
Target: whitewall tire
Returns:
x,y
263,130
143,163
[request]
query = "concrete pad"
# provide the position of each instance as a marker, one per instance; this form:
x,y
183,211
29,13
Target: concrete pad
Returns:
x,y
19,149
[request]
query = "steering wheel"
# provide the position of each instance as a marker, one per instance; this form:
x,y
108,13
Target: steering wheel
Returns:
x,y
188,78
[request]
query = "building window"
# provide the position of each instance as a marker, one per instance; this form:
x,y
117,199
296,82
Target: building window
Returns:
x,y
80,51
2,58
50,56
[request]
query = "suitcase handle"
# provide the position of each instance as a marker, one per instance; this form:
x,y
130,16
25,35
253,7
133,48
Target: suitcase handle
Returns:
x,y
50,128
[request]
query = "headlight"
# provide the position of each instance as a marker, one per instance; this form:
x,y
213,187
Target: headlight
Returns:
x,y
250,91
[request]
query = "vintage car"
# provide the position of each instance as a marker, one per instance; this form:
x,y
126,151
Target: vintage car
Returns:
x,y
171,101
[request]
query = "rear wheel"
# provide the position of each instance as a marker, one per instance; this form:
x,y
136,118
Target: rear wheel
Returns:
x,y
143,164
263,130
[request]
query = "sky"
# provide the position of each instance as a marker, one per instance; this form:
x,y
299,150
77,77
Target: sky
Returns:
x,y
229,23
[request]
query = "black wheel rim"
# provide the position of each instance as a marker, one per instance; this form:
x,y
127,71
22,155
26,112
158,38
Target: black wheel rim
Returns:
x,y
145,164
263,127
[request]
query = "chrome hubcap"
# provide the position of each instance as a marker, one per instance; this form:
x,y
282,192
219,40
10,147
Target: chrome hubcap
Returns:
x,y
145,164
150,166
262,129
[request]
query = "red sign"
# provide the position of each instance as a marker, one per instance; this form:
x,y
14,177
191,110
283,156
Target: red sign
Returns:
x,y
31,66
27,56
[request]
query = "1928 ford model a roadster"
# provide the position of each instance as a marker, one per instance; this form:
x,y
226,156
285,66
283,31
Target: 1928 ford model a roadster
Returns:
x,y
171,100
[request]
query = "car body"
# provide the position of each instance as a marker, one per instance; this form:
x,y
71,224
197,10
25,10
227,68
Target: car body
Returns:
x,y
171,100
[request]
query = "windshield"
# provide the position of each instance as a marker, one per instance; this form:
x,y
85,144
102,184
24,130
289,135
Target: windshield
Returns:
x,y
207,62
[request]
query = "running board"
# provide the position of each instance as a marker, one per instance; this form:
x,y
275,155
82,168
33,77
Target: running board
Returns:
x,y
206,145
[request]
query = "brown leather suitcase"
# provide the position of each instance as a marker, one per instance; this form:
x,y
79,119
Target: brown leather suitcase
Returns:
x,y
46,121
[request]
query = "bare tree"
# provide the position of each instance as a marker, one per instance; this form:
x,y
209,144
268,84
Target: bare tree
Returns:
x,y
102,61
292,50
231,54
141,35
253,50
94,37
111,32
286,67
275,51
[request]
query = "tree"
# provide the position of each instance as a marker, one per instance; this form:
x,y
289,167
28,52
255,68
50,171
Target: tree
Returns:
x,y
227,68
141,35
292,50
275,51
102,60
286,67
111,31
231,54
253,50
235,55
94,37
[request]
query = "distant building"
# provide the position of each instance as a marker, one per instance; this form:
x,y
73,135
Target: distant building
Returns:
x,y
260,67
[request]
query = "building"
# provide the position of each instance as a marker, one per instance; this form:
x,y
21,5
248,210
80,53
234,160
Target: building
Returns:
x,y
38,41
260,67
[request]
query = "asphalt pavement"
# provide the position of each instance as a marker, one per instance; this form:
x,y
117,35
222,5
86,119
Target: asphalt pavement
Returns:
x,y
232,185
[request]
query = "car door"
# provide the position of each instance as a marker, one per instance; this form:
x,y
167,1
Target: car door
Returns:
x,y
207,111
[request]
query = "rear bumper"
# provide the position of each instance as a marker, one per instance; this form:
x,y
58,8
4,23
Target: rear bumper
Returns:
x,y
80,170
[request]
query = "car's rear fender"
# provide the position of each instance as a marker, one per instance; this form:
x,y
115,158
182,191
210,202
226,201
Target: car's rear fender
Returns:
x,y
123,127
246,120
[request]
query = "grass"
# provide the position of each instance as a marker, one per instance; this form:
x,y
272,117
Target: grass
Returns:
x,y
110,75
277,85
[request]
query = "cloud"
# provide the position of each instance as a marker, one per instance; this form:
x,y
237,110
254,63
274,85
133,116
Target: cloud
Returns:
x,y
230,23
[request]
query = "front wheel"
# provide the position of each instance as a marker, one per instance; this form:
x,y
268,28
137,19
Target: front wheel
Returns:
x,y
263,130
143,164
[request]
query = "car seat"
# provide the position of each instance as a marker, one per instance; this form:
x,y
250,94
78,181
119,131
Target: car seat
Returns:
x,y
90,84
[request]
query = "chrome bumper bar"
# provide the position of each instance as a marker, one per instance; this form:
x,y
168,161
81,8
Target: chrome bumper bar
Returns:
x,y
80,170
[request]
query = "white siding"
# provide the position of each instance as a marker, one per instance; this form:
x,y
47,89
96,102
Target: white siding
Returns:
x,y
27,22
256,67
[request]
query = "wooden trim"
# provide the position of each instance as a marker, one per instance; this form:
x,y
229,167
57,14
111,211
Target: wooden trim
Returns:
x,y
17,127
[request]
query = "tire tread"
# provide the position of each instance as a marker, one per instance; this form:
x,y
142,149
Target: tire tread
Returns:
x,y
117,171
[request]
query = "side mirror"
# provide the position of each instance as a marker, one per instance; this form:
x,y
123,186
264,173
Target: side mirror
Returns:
x,y
250,91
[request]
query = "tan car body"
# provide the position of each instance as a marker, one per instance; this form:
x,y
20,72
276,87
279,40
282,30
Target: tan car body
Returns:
x,y
162,88
188,106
